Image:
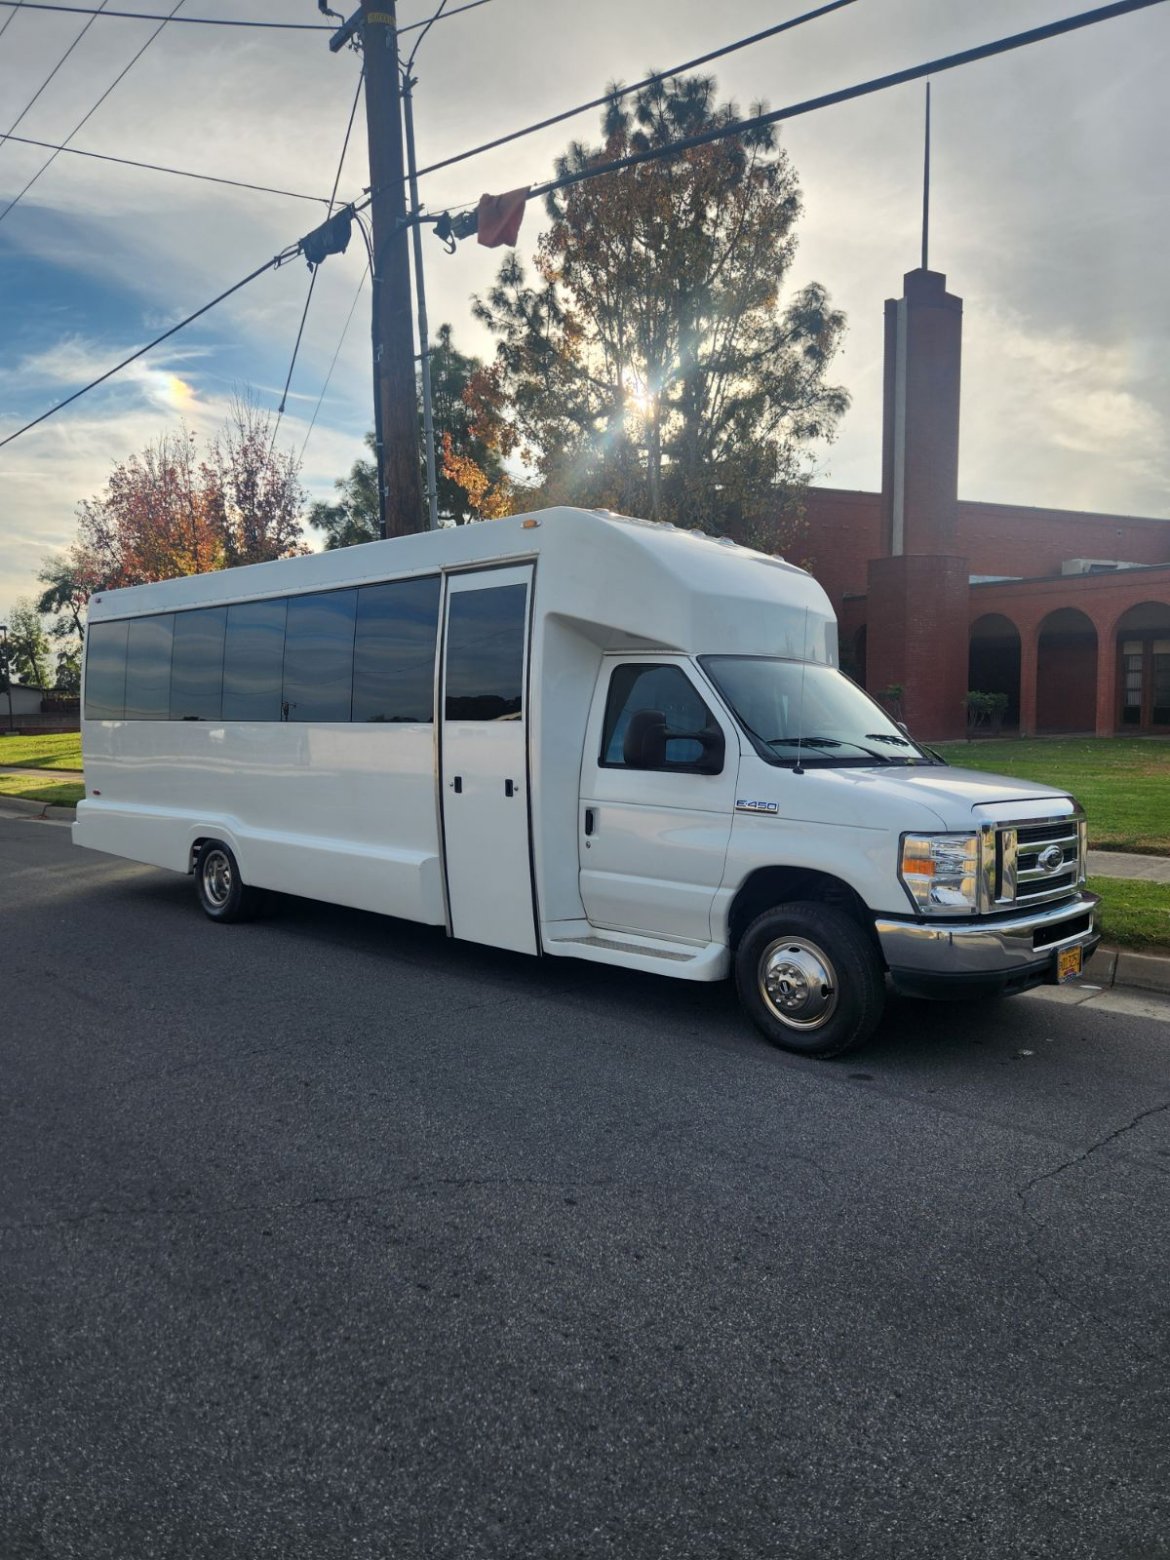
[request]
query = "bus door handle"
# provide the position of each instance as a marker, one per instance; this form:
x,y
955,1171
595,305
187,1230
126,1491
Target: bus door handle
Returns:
x,y
457,785
590,820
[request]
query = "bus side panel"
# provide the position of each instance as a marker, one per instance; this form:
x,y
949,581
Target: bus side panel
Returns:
x,y
340,813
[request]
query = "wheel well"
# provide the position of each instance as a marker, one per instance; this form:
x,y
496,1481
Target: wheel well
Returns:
x,y
196,847
768,887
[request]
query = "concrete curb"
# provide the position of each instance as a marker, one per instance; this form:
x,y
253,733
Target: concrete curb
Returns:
x,y
1121,967
48,810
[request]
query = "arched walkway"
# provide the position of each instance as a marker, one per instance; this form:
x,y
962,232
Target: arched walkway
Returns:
x,y
1143,662
993,664
1066,672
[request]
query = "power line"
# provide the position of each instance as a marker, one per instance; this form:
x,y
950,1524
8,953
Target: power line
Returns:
x,y
638,86
336,355
56,67
207,21
899,78
121,76
155,16
182,173
269,265
722,132
9,19
313,274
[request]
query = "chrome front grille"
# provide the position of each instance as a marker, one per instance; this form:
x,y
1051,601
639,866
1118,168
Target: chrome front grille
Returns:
x,y
1038,862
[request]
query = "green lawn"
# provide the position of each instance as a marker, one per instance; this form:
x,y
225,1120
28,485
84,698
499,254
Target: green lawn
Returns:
x,y
1134,914
1122,783
52,751
64,792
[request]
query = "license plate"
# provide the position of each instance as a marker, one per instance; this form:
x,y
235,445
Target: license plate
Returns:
x,y
1068,964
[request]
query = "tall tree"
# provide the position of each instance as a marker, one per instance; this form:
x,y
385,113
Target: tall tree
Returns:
x,y
30,656
652,365
252,490
472,484
172,510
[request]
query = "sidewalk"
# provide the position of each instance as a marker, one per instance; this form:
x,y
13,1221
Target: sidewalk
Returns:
x,y
1116,864
40,774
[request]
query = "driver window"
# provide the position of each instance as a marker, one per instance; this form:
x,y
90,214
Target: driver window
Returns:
x,y
638,689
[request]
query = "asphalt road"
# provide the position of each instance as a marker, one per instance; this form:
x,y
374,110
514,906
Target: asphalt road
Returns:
x,y
327,1237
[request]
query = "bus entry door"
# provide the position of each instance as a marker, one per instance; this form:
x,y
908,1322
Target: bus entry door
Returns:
x,y
484,758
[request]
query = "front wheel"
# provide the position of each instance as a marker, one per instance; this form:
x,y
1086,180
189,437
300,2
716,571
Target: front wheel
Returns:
x,y
223,894
810,979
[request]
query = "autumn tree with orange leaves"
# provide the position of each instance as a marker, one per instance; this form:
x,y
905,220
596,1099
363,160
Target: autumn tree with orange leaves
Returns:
x,y
653,364
172,510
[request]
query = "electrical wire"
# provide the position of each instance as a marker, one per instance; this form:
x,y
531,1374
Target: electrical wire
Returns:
x,y
155,16
269,265
638,86
426,29
209,21
120,77
337,353
313,274
899,78
182,173
55,68
10,18
723,132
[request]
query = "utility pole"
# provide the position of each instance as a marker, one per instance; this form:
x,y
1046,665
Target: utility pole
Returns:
x,y
396,411
424,345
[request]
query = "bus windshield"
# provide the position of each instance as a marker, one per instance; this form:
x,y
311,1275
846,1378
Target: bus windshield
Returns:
x,y
796,711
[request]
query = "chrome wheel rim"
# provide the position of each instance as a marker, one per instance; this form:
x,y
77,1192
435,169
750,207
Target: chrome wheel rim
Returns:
x,y
798,983
217,878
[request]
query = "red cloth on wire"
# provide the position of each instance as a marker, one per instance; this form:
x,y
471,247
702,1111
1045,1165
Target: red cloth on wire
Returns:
x,y
500,216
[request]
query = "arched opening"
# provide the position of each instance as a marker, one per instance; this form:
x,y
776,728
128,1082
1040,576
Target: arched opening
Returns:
x,y
993,663
1143,661
1066,672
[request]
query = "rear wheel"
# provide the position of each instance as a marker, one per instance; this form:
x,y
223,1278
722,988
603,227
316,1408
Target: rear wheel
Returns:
x,y
810,979
223,894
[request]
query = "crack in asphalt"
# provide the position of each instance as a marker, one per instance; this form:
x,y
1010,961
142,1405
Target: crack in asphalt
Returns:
x,y
1038,1225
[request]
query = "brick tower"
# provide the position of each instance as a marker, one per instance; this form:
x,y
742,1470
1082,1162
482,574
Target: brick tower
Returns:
x,y
917,592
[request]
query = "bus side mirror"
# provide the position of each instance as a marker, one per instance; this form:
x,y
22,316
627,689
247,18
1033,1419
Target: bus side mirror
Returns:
x,y
644,746
714,749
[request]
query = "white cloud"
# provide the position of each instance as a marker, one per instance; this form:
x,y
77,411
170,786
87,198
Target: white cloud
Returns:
x,y
1054,418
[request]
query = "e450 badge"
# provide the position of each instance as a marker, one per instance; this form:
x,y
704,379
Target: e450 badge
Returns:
x,y
743,805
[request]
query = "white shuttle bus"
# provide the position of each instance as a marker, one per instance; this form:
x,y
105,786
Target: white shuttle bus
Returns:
x,y
573,734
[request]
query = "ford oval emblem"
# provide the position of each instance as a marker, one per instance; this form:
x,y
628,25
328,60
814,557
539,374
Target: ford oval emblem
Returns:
x,y
1051,860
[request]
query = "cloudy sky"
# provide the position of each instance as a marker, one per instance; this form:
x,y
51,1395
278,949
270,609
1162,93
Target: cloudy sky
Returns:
x,y
1049,217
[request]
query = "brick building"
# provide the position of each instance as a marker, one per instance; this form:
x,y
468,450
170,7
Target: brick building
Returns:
x,y
1066,613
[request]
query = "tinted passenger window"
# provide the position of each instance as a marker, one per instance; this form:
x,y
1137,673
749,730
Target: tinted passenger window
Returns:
x,y
253,660
197,664
668,691
148,668
485,653
105,671
394,652
318,656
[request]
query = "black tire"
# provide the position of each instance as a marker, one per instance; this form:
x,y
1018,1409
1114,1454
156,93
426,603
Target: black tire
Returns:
x,y
223,894
810,979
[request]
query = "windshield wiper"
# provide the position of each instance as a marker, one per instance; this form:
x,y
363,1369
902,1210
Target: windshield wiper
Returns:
x,y
827,742
885,736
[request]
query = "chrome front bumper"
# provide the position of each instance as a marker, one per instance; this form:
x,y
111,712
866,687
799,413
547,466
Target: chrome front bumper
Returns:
x,y
945,957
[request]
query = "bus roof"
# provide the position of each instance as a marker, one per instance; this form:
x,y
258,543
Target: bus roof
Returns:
x,y
625,582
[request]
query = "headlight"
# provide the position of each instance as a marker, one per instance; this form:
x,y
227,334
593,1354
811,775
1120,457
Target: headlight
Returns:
x,y
941,872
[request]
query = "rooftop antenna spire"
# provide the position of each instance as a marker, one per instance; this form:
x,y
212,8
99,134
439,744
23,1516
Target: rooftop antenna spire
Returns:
x,y
926,186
